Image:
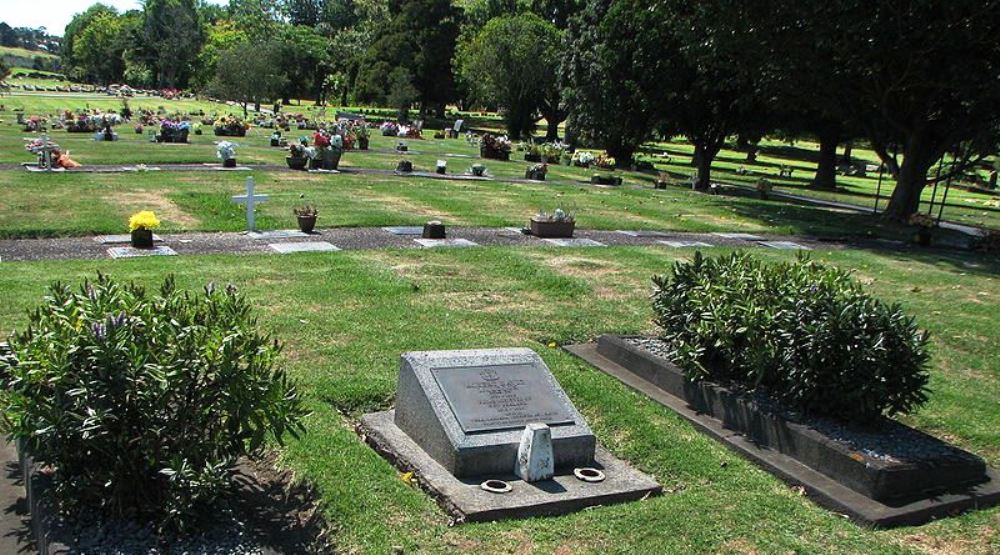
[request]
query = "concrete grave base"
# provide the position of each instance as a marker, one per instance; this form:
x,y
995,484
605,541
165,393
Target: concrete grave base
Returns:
x,y
132,252
467,502
822,489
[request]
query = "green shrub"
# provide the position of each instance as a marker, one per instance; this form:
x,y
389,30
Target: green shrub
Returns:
x,y
143,402
806,334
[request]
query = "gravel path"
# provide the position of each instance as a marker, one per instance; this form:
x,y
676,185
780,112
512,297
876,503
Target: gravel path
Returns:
x,y
362,238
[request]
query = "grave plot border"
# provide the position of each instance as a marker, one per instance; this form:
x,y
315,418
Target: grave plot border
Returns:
x,y
665,384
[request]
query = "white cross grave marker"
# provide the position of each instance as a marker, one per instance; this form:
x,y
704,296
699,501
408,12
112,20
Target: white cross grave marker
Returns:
x,y
251,201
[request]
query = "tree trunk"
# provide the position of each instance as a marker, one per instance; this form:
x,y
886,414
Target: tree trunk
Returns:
x,y
848,146
917,161
826,170
622,154
703,158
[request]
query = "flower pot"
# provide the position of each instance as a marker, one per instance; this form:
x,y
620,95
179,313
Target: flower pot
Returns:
x,y
924,237
316,163
229,163
478,171
142,238
433,230
552,229
404,166
331,158
307,223
297,163
536,175
598,179
362,143
275,142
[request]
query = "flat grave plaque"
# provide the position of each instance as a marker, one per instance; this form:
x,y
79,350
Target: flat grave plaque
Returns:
x,y
684,244
785,245
575,242
740,236
405,230
500,397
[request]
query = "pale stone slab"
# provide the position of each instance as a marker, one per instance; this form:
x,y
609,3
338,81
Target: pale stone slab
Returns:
x,y
276,234
740,236
683,244
311,246
785,245
405,230
641,233
467,409
130,252
575,242
113,239
433,243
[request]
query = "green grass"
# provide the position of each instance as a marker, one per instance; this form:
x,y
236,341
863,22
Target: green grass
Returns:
x,y
346,317
24,52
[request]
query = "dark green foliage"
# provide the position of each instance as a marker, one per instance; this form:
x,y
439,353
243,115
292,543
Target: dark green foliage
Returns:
x,y
804,333
143,402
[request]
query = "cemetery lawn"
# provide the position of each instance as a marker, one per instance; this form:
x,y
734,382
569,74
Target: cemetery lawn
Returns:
x,y
345,318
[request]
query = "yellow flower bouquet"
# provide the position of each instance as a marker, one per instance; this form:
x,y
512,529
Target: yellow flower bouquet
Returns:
x,y
141,225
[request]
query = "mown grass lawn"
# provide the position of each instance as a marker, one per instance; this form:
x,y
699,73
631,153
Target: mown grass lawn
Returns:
x,y
346,317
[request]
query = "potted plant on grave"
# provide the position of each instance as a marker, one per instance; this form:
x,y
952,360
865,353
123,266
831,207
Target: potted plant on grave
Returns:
x,y
331,153
297,158
536,172
389,129
276,139
306,216
230,126
441,167
363,135
141,226
478,170
532,152
404,166
925,226
558,224
764,188
226,151
493,147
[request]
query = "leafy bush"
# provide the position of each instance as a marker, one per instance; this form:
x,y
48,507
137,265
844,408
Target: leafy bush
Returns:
x,y
144,402
806,334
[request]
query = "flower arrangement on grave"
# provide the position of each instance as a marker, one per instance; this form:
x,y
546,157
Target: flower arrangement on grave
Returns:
x,y
536,172
558,223
306,216
226,151
662,180
404,166
583,158
300,154
362,134
441,167
230,126
173,131
495,147
604,162
141,226
478,170
389,129
924,223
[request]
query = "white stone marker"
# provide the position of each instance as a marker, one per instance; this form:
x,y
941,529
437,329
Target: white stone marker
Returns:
x,y
534,456
250,200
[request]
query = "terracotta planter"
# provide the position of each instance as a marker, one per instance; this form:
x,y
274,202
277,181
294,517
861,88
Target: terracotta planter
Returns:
x,y
297,163
142,238
552,229
307,223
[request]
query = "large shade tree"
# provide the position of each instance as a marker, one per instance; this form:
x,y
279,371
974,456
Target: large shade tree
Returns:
x,y
918,77
513,63
617,52
172,35
262,61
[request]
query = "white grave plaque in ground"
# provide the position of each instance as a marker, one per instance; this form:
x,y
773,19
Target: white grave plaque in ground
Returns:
x,y
132,252
684,244
310,246
575,242
785,245
740,236
432,243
